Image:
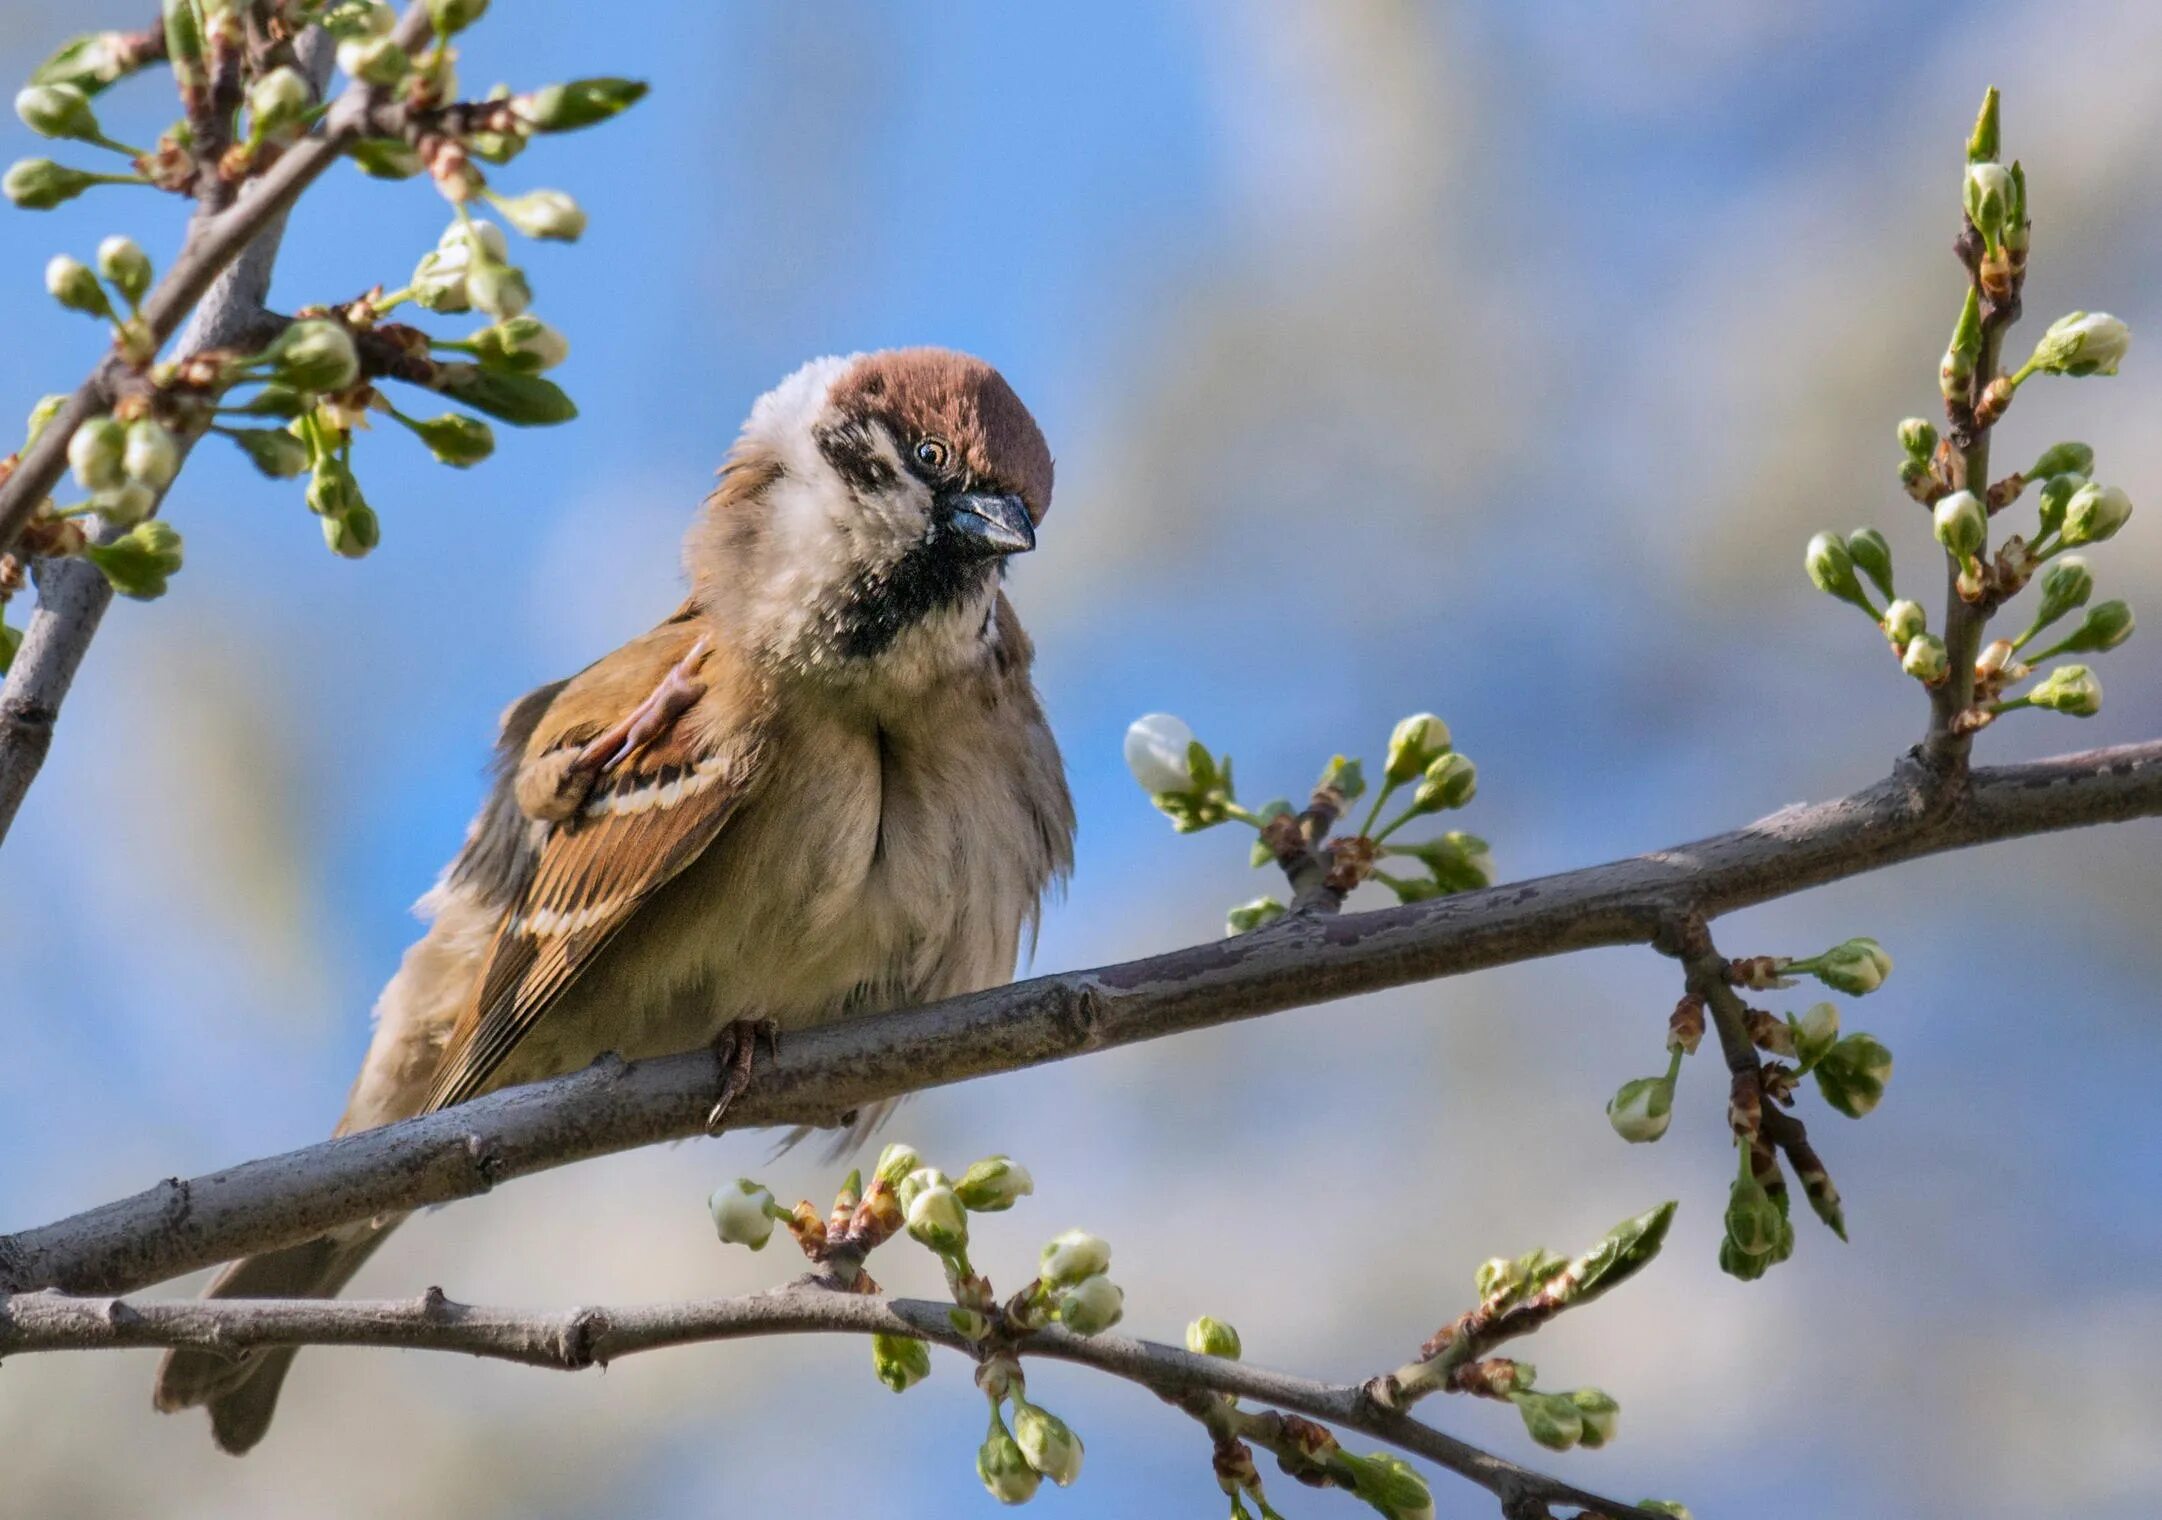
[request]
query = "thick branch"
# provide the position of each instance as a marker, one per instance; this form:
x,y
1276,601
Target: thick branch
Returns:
x,y
574,1339
820,1074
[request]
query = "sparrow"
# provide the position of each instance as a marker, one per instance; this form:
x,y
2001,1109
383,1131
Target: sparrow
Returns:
x,y
822,788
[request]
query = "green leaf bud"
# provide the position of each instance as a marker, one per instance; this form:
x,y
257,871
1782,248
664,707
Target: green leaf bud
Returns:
x,y
2066,585
456,439
1988,197
521,400
1853,1073
901,1361
388,158
743,1213
1956,372
1962,524
1855,967
579,103
275,452
1872,556
95,453
1418,742
1207,1336
2107,625
1918,438
2062,459
993,1185
1450,782
895,1163
70,282
1815,1032
1982,142
1619,1255
89,63
1601,1414
1550,1419
41,417
2095,513
452,16
1391,1485
1344,776
1831,571
1752,1219
140,561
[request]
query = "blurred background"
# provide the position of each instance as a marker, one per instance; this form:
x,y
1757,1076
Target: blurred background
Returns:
x,y
1485,357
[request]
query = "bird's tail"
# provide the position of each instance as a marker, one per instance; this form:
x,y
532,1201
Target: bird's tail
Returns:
x,y
241,1391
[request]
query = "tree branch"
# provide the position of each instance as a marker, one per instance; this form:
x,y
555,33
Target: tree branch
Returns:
x,y
820,1074
574,1339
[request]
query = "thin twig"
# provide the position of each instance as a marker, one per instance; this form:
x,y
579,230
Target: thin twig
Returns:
x,y
820,1074
574,1339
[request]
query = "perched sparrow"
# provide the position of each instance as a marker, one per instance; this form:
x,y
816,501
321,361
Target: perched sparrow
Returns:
x,y
824,787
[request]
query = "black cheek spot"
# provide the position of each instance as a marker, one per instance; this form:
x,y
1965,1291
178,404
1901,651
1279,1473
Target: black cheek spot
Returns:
x,y
855,457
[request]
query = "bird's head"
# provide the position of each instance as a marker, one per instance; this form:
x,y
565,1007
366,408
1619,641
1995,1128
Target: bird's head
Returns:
x,y
866,514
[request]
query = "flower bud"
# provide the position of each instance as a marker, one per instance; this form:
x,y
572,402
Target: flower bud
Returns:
x,y
41,417
452,16
1073,1256
1450,782
1872,556
1752,1218
895,1163
1962,524
1852,1074
279,99
1051,1448
1207,1336
95,454
1855,967
1460,862
1091,1306
1004,1469
2107,625
1642,1109
901,1361
121,261
525,344
1672,1507
354,534
544,214
1247,917
57,110
70,282
743,1213
1918,437
1344,776
1926,659
2081,343
497,288
521,400
1600,1413
2095,513
1831,570
936,1218
993,1184
2056,492
580,103
1956,371
39,184
386,158
2070,689
1418,742
150,457
373,60
1158,751
1390,1484
1988,198
1815,1032
1739,1264
124,506
141,561
456,439
1903,620
1550,1419
2066,584
2062,459
275,452
314,355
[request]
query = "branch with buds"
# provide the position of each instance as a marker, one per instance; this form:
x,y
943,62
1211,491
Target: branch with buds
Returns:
x,y
291,393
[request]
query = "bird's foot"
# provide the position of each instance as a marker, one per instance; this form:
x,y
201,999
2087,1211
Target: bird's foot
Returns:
x,y
736,1049
649,719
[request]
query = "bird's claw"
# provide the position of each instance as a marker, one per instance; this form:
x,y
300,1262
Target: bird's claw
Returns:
x,y
649,719
736,1049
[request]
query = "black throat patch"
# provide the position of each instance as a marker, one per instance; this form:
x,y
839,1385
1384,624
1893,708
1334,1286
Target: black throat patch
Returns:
x,y
936,573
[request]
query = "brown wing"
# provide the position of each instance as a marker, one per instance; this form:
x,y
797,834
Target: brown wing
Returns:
x,y
643,822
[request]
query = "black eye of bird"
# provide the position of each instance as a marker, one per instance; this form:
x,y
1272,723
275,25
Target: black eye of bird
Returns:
x,y
932,453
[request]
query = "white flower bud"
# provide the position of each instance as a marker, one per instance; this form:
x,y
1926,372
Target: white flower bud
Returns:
x,y
1918,437
124,506
1004,1469
314,355
2082,343
1903,620
936,1218
279,98
57,110
993,1184
70,282
1051,1448
497,288
2070,689
1926,659
1852,1076
1207,1336
1418,742
742,1213
526,344
1091,1306
373,60
1642,1109
1815,1032
1450,782
1855,967
895,1162
1070,1257
1158,752
2095,513
151,457
901,1361
95,452
1989,197
126,265
544,214
1962,524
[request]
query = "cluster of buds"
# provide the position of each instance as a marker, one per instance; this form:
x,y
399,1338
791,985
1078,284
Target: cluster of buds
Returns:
x,y
1194,788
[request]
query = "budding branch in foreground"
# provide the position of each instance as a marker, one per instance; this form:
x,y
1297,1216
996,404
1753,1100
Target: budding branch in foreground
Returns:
x,y
575,1339
180,1226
